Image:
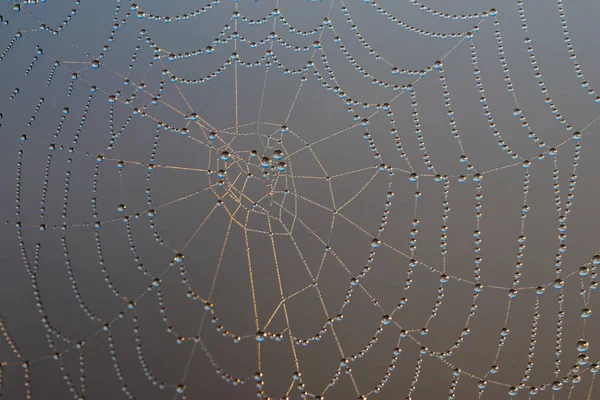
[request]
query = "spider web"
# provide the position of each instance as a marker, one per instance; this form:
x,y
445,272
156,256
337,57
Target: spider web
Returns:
x,y
266,204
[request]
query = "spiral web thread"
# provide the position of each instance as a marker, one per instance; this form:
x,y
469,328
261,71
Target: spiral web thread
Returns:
x,y
229,173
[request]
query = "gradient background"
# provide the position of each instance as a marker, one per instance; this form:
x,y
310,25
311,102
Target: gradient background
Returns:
x,y
316,114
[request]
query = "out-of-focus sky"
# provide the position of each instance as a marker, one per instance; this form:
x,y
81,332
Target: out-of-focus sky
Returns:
x,y
277,253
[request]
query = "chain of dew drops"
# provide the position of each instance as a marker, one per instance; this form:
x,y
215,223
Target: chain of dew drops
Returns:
x,y
269,60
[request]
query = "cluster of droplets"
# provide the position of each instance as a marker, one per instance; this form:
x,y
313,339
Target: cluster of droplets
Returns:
x,y
563,22
50,331
503,62
237,16
24,364
74,287
260,336
418,131
543,89
521,10
142,360
224,38
417,373
412,263
42,98
14,93
443,250
455,377
395,70
63,25
151,213
512,293
52,73
74,77
532,342
39,51
414,29
174,18
452,122
115,360
445,15
483,99
276,14
65,112
273,37
344,365
86,109
10,45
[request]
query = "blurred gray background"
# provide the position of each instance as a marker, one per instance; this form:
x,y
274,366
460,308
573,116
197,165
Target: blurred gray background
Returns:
x,y
216,259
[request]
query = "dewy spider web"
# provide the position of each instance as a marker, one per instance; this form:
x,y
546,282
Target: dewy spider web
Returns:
x,y
256,176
